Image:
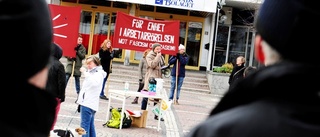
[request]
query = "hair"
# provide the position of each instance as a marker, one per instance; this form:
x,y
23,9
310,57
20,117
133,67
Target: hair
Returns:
x,y
243,59
93,58
145,53
80,35
104,45
249,70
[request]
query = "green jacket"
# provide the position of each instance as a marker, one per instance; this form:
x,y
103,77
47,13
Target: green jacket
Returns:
x,y
80,55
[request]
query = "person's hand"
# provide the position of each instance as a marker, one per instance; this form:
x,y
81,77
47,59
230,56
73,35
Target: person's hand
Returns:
x,y
178,55
159,54
82,69
140,80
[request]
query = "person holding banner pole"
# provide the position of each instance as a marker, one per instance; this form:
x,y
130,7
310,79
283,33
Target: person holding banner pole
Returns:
x,y
75,63
177,73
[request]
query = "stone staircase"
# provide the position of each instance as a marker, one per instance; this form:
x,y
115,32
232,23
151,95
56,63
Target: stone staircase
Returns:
x,y
195,81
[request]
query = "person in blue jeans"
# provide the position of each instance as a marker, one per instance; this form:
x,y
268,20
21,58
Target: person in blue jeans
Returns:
x,y
106,56
180,61
88,98
80,55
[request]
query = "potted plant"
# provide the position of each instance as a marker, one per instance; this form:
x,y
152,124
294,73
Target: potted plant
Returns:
x,y
225,68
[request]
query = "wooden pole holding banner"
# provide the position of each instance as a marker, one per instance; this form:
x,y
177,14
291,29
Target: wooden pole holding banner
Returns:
x,y
176,87
73,65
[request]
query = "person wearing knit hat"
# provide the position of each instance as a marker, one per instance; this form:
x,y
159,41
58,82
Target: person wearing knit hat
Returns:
x,y
177,76
281,99
26,93
154,62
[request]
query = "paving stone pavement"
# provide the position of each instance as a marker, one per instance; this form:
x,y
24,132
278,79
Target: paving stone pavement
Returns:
x,y
193,108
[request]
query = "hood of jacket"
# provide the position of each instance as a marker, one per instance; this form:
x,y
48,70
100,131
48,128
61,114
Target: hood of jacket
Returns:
x,y
57,51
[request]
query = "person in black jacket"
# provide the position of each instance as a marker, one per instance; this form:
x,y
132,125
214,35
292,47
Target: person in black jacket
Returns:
x,y
237,71
28,110
56,83
106,56
282,98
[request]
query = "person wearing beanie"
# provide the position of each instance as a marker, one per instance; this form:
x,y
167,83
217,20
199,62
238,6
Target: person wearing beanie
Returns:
x,y
77,62
281,99
28,109
178,72
154,62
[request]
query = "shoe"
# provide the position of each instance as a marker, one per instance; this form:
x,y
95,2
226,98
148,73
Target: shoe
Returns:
x,y
157,118
104,97
177,102
135,101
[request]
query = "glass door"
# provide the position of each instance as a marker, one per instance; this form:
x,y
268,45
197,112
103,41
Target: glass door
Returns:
x,y
85,27
101,27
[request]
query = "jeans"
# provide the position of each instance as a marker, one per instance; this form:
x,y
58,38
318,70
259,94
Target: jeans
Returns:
x,y
103,85
173,86
87,121
77,81
144,103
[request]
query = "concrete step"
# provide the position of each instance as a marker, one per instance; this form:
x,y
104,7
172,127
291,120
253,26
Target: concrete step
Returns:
x,y
195,81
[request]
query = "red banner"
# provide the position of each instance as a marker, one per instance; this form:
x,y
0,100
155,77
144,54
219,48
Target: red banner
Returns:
x,y
138,34
65,21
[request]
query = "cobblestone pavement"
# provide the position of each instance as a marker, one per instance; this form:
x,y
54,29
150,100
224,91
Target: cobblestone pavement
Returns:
x,y
193,108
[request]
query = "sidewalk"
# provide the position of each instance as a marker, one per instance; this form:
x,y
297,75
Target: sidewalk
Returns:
x,y
194,108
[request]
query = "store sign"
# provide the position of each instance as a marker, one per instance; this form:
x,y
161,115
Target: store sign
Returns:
x,y
65,21
197,5
138,34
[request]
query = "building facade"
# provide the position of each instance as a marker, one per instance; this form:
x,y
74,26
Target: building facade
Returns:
x,y
208,42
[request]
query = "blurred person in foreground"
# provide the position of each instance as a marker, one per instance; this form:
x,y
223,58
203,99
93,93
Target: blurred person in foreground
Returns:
x,y
281,99
28,109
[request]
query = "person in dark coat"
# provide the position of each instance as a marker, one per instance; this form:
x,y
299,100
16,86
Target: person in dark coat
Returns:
x,y
106,56
56,83
183,59
77,60
28,110
237,71
282,98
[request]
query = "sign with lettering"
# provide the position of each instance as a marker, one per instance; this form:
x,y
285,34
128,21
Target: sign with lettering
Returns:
x,y
138,34
65,21
195,5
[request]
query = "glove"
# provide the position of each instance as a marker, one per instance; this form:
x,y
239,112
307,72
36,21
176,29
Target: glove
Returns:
x,y
140,80
62,100
178,55
78,109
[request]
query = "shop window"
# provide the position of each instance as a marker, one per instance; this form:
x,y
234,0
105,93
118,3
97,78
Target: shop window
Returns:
x,y
72,1
172,11
121,5
146,8
96,2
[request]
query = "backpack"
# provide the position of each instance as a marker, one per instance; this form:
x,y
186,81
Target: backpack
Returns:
x,y
115,119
